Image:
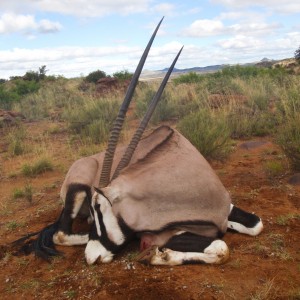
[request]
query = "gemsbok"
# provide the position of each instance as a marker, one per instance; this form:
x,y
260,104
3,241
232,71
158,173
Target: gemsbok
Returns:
x,y
162,191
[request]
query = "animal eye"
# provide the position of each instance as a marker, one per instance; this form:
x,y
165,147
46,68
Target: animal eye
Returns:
x,y
97,206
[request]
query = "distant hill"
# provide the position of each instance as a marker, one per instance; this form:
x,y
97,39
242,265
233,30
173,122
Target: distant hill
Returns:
x,y
197,69
265,62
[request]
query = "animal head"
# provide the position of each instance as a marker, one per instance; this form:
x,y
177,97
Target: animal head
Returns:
x,y
99,237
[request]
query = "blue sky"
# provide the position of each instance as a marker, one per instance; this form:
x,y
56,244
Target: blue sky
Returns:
x,y
75,37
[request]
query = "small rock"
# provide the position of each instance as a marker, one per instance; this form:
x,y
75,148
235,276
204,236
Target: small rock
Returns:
x,y
252,144
295,179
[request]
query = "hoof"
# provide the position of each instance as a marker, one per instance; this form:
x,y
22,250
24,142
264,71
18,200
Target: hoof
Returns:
x,y
146,255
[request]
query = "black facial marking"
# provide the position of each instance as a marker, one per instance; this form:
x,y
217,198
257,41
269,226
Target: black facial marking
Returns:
x,y
104,240
242,217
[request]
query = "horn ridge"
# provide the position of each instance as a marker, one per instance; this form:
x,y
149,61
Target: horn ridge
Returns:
x,y
139,132
115,132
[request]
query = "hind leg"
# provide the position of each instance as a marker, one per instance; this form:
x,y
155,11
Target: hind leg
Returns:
x,y
188,248
244,222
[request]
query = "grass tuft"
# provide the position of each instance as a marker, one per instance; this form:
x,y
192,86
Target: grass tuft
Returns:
x,y
208,133
41,166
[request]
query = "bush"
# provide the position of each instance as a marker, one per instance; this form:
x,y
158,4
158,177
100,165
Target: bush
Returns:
x,y
7,97
191,77
23,87
93,118
41,166
244,122
208,132
165,110
95,76
16,141
288,138
123,75
222,85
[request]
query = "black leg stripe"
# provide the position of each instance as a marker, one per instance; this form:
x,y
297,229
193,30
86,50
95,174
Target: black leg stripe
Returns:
x,y
242,217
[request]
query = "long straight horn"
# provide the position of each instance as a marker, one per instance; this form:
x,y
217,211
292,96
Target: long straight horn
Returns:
x,y
115,132
139,132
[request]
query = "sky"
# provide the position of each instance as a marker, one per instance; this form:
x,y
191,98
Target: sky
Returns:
x,y
76,37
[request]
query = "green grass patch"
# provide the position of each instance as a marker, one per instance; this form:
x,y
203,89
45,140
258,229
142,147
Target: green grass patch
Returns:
x,y
41,166
288,138
274,168
13,225
16,141
208,132
284,220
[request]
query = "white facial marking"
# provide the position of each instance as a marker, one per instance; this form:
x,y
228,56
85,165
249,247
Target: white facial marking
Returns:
x,y
78,200
94,250
110,221
243,229
94,201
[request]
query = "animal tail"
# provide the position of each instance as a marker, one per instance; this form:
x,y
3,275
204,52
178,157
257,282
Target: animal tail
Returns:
x,y
43,246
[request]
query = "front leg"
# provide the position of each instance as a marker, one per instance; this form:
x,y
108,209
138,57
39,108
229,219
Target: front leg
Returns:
x,y
108,234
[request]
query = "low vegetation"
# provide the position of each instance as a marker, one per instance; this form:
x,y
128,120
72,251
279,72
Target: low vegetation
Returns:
x,y
40,166
210,109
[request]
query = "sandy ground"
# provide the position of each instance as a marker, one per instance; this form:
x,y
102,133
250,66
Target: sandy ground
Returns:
x,y
264,267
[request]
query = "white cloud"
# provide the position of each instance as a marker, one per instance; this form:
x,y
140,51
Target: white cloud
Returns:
x,y
215,27
72,61
240,42
286,7
165,9
82,8
46,26
26,24
204,27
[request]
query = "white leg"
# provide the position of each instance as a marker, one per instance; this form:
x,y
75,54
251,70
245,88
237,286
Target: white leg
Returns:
x,y
61,238
216,253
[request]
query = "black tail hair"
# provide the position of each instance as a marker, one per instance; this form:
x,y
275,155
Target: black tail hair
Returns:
x,y
43,245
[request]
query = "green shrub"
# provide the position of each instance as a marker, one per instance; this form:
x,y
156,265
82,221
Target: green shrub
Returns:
x,y
288,137
166,108
274,168
222,85
23,87
244,122
7,97
18,193
123,75
41,166
191,77
26,193
93,119
16,139
95,76
208,132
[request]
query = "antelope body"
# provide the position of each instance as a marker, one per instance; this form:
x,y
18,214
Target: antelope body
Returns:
x,y
162,191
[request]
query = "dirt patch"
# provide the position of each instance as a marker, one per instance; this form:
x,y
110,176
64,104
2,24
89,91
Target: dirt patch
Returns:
x,y
264,267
